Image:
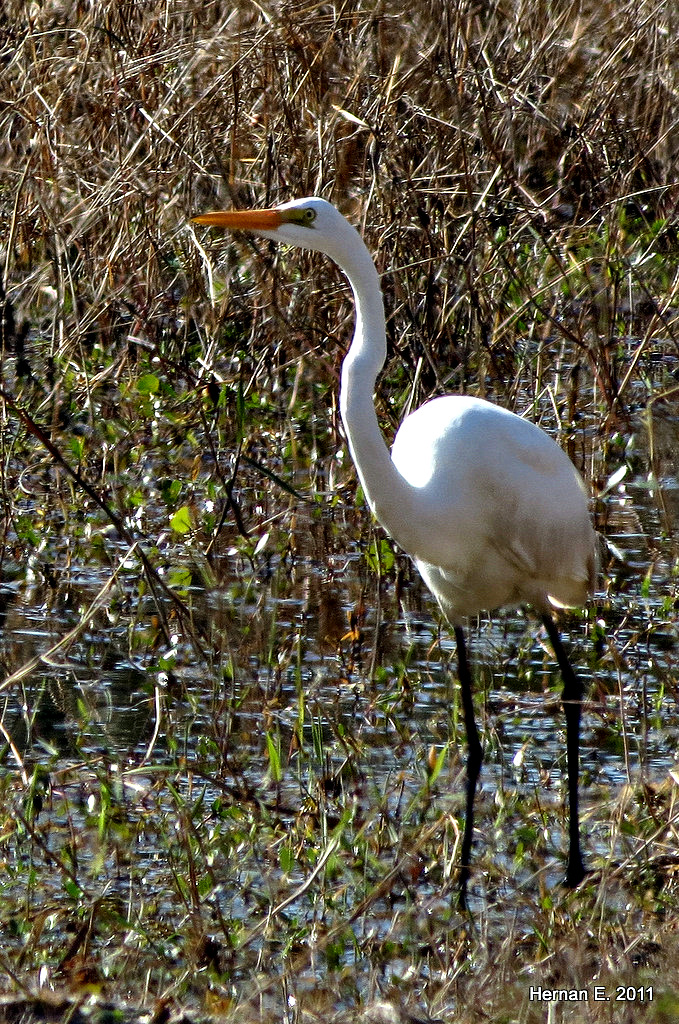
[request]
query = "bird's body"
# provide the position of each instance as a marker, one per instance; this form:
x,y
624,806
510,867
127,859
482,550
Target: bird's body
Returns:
x,y
491,510
507,520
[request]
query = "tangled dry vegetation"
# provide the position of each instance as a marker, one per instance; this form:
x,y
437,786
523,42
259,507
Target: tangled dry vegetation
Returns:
x,y
513,166
506,164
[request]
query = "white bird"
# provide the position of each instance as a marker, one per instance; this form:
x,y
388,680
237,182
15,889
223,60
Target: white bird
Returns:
x,y
489,507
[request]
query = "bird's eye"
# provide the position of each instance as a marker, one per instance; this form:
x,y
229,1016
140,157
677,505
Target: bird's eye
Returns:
x,y
309,215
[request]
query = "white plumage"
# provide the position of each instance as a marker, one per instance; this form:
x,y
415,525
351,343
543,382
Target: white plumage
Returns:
x,y
492,511
507,521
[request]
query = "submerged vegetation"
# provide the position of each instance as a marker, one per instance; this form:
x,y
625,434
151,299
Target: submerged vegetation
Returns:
x,y
232,764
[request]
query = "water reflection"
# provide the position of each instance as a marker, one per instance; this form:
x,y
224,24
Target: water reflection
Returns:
x,y
279,625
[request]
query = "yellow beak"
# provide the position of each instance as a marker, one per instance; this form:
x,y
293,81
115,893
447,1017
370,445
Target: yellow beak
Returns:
x,y
244,220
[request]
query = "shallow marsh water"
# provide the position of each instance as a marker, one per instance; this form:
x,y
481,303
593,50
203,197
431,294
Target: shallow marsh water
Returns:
x,y
282,618
307,691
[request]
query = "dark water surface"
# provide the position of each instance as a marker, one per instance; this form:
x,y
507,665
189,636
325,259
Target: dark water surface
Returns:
x,y
271,636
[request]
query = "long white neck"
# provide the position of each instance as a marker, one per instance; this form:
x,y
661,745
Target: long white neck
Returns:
x,y
390,496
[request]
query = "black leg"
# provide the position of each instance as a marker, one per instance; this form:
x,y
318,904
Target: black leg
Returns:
x,y
474,759
572,703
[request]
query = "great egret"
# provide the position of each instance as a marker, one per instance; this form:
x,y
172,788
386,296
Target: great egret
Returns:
x,y
491,510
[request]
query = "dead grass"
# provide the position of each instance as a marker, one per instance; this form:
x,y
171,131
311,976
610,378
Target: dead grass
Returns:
x,y
513,166
504,166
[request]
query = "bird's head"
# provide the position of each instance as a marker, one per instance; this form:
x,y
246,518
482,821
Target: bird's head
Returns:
x,y
310,223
